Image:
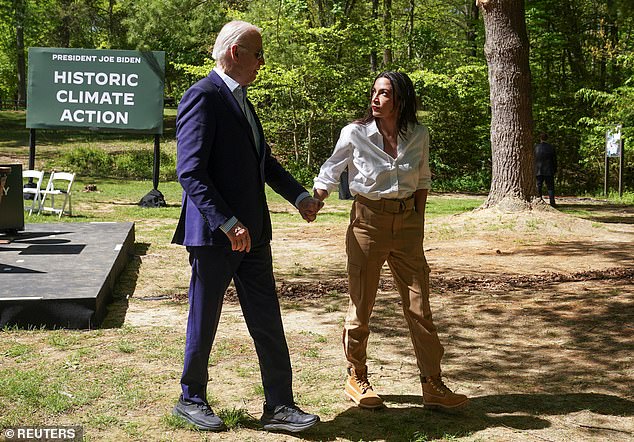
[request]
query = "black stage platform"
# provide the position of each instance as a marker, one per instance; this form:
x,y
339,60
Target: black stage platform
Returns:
x,y
61,274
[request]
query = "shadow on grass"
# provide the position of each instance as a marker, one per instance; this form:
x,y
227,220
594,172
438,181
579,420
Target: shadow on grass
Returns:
x,y
124,289
601,212
410,421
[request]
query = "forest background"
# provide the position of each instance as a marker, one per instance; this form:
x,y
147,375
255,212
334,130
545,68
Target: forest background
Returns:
x,y
321,57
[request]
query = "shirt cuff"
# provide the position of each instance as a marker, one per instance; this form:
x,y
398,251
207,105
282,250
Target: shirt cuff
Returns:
x,y
302,196
229,224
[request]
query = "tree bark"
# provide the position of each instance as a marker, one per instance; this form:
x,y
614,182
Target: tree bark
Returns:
x,y
506,50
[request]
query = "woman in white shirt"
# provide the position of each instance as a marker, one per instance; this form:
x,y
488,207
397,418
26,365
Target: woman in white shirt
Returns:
x,y
387,156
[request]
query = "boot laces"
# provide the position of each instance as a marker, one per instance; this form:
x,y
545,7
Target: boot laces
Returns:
x,y
439,385
362,381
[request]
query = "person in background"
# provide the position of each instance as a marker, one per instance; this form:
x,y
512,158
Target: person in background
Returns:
x,y
223,164
545,167
387,156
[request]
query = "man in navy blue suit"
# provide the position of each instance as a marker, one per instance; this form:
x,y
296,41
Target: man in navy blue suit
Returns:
x,y
223,166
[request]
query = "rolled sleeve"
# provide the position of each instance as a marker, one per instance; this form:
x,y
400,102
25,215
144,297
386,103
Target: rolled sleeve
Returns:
x,y
424,178
330,172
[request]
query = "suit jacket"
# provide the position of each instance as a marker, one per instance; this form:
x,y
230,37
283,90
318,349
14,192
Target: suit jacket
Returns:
x,y
220,169
545,159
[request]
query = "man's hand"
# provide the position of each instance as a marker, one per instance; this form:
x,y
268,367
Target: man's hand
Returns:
x,y
240,238
308,208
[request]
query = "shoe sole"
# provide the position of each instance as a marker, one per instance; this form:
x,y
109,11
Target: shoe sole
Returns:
x,y
436,406
176,412
288,427
360,405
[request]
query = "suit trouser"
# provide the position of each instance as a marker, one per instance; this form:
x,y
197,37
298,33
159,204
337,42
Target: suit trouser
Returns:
x,y
550,183
374,236
252,273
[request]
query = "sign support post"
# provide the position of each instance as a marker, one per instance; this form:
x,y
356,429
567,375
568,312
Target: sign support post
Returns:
x,y
621,167
613,149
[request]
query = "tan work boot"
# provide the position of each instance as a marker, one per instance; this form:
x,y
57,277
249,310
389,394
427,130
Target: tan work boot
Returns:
x,y
437,394
359,390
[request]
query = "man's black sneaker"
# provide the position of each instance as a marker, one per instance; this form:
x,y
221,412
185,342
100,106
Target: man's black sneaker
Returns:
x,y
199,415
287,418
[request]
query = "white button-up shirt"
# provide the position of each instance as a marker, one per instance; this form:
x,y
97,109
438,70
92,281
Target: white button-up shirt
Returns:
x,y
372,172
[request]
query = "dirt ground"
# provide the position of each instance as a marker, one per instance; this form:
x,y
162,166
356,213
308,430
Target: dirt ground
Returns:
x,y
535,309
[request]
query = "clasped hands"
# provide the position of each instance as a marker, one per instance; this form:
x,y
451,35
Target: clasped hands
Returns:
x,y
239,234
308,208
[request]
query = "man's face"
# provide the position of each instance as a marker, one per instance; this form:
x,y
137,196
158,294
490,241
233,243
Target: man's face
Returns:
x,y
249,57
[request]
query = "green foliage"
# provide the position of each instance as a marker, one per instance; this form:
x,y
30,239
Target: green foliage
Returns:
x,y
321,57
127,164
235,417
184,29
86,160
455,107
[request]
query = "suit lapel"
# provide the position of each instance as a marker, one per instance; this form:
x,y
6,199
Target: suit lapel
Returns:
x,y
233,105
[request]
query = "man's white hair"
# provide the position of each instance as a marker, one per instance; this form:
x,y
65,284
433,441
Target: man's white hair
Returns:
x,y
229,35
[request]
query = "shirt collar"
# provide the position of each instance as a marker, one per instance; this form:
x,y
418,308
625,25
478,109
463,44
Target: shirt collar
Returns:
x,y
371,128
230,82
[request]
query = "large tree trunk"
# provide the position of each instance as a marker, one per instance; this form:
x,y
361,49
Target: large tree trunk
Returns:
x,y
506,50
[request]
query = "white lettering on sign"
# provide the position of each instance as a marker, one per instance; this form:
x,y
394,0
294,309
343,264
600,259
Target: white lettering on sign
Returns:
x,y
98,78
93,116
93,58
88,97
73,57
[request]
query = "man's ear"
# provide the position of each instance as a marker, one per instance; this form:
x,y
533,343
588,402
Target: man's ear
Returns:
x,y
234,52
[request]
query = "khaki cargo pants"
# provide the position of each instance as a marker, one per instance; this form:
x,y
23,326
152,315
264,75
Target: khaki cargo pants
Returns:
x,y
392,231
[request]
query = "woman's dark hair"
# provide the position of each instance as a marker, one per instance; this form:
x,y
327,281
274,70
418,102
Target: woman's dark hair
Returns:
x,y
404,100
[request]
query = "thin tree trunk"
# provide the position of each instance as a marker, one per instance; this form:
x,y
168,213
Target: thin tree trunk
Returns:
x,y
506,50
472,15
374,64
20,19
387,32
295,124
21,66
410,35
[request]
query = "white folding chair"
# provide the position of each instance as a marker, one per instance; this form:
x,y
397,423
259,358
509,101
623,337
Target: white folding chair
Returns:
x,y
34,188
60,183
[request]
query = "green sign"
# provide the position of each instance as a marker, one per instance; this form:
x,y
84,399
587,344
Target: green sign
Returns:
x,y
95,88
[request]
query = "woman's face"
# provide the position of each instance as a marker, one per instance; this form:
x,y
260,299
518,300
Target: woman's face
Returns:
x,y
382,99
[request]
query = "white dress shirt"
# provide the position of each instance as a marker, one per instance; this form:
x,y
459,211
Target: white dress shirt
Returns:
x,y
372,172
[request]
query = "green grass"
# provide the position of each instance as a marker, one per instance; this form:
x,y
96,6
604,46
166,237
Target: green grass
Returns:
x,y
117,201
